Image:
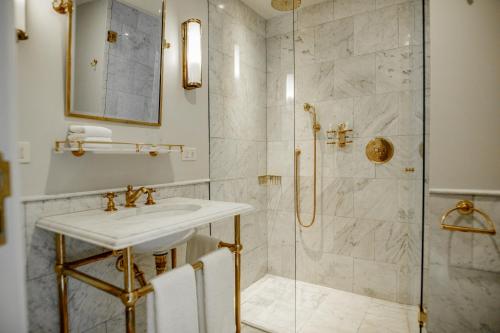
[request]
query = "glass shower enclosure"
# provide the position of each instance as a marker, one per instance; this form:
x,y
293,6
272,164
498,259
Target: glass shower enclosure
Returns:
x,y
329,97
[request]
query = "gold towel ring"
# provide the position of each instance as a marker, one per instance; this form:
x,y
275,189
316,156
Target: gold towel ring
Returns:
x,y
466,207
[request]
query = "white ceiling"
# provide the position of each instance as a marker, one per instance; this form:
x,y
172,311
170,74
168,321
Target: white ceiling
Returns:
x,y
264,8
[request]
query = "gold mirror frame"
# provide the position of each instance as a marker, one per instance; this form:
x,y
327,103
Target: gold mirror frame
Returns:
x,y
66,7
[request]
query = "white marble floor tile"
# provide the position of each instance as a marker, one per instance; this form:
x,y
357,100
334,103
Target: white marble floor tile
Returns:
x,y
279,305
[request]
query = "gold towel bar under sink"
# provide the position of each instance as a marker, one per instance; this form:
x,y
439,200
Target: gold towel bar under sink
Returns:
x,y
466,207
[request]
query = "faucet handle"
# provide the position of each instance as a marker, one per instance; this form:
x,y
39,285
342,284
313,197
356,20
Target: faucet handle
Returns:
x,y
111,202
150,200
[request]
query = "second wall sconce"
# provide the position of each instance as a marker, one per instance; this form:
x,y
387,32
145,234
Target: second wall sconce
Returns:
x,y
191,54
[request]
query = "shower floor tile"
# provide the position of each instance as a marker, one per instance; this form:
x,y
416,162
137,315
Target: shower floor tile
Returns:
x,y
269,305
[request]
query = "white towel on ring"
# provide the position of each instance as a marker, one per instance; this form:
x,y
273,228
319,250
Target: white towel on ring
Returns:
x,y
92,131
172,306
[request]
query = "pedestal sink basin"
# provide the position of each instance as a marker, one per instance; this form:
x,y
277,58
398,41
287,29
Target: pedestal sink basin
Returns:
x,y
163,244
159,227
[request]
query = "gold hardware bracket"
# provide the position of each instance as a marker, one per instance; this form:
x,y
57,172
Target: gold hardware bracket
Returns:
x,y
21,35
62,6
422,317
466,207
4,193
112,36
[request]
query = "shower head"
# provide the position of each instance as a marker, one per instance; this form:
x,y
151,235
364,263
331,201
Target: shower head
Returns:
x,y
312,110
285,5
309,108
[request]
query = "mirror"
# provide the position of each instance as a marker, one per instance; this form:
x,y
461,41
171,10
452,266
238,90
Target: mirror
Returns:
x,y
117,61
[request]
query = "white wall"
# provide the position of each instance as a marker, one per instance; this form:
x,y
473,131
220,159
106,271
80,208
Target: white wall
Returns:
x,y
465,103
41,110
12,277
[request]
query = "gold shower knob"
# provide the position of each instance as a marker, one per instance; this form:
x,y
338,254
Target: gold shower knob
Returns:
x,y
379,150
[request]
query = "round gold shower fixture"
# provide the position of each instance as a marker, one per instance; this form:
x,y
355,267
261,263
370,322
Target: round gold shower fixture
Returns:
x,y
285,5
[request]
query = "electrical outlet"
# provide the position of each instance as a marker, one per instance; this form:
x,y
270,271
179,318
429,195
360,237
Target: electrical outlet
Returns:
x,y
189,154
24,152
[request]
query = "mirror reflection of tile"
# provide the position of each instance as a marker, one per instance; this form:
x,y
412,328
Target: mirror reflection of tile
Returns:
x,y
133,73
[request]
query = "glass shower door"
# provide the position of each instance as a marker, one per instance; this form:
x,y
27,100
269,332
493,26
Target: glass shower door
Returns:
x,y
359,140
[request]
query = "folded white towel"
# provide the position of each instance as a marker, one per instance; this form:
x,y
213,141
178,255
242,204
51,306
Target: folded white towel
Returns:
x,y
218,290
198,246
173,304
92,131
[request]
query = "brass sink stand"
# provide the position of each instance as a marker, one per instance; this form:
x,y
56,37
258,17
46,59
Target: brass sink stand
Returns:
x,y
129,295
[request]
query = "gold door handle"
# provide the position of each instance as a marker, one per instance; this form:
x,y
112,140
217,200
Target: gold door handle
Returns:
x,y
4,193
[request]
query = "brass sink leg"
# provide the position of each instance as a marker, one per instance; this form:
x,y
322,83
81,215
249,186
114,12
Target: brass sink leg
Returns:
x,y
62,285
237,272
128,283
173,257
161,263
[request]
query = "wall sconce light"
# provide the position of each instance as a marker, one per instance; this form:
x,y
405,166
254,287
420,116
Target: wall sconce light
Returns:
x,y
20,19
191,57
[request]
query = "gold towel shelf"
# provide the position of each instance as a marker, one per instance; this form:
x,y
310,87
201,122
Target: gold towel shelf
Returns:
x,y
78,148
466,207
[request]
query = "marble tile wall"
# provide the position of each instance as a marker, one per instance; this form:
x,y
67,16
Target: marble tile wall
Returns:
x,y
133,82
357,62
462,284
237,65
90,310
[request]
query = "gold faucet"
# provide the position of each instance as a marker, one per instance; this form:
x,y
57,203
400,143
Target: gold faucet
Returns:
x,y
132,195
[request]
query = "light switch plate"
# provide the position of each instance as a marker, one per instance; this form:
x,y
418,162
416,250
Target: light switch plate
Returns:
x,y
24,152
189,154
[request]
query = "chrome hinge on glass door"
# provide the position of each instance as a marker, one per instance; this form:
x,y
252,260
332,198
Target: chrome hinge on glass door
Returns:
x,y
4,193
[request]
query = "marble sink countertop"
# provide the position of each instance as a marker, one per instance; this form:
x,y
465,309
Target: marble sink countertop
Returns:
x,y
132,226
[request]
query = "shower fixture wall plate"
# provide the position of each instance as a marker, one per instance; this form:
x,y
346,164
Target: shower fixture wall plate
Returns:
x,y
341,134
285,5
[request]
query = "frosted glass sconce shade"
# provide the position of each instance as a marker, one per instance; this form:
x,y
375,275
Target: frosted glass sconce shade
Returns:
x,y
191,58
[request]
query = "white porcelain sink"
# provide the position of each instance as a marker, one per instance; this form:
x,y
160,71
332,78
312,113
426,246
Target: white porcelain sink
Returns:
x,y
166,243
159,227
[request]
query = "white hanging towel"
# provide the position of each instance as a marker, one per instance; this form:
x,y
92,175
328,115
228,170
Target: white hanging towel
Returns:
x,y
200,245
218,289
91,131
172,306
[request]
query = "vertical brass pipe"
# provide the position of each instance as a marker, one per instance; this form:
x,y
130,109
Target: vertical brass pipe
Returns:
x,y
161,263
237,273
173,257
128,284
62,284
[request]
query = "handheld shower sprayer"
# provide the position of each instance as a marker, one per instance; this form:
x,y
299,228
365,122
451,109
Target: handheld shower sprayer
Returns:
x,y
316,128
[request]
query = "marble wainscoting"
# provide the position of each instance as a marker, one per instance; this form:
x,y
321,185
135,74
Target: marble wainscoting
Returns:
x,y
238,125
356,62
462,283
90,310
